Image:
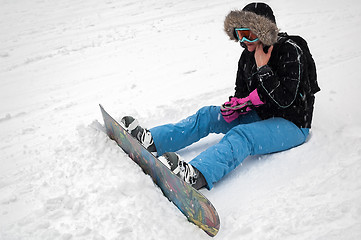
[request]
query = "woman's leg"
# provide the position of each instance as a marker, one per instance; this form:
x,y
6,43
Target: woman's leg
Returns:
x,y
173,137
262,137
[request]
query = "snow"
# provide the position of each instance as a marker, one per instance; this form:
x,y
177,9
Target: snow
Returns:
x,y
161,60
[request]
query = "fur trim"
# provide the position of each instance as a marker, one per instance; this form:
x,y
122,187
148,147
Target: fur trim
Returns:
x,y
262,27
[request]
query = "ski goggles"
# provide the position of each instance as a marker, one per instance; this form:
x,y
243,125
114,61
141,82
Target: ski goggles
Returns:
x,y
245,34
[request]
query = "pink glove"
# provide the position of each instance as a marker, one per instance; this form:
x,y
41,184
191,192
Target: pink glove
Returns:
x,y
237,106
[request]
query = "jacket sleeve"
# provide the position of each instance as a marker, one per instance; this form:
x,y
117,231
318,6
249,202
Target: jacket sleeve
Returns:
x,y
279,84
241,89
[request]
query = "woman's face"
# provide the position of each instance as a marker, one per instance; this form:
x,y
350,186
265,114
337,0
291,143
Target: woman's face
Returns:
x,y
251,46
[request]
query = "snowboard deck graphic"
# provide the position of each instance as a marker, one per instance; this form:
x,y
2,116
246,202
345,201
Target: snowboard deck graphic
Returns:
x,y
196,207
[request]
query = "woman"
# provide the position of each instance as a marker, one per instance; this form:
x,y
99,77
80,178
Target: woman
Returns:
x,y
271,110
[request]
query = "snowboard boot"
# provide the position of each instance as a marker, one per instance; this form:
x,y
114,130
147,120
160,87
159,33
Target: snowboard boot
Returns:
x,y
143,135
183,170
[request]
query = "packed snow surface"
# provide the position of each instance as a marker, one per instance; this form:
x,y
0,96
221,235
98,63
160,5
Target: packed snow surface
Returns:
x,y
160,61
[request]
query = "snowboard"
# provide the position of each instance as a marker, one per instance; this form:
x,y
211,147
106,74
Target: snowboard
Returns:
x,y
195,206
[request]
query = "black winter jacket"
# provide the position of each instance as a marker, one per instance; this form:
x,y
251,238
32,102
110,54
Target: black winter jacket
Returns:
x,y
280,84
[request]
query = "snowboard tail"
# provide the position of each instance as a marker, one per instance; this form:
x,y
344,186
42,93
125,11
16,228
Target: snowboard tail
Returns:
x,y
195,206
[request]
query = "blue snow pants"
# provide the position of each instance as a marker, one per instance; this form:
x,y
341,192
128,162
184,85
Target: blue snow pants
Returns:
x,y
247,135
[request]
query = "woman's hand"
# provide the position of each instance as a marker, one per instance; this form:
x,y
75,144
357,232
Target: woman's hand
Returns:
x,y
261,57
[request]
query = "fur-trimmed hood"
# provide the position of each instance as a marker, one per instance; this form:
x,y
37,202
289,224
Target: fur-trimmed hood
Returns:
x,y
265,29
